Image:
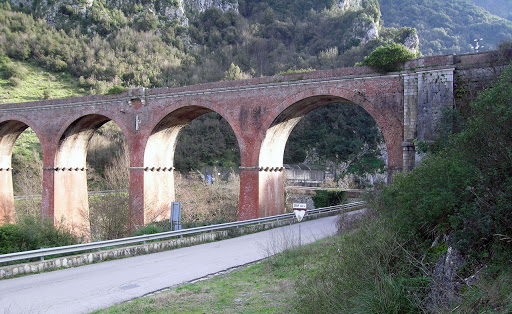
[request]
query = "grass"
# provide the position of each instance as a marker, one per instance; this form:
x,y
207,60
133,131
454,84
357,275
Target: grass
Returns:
x,y
265,287
38,84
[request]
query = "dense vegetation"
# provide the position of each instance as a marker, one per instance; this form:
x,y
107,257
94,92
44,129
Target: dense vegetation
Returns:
x,y
217,145
501,8
440,237
337,132
99,48
446,27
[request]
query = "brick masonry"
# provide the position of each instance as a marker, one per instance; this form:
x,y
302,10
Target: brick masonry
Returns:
x,y
262,112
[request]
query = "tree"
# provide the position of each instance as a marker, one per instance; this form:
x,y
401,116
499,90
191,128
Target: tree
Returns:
x,y
234,73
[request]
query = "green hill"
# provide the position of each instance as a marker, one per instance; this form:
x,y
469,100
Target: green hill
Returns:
x,y
447,26
502,8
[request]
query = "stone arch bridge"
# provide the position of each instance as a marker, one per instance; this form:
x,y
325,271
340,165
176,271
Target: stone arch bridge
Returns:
x,y
262,112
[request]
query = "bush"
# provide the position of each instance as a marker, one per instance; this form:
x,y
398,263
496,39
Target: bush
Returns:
x,y
116,89
14,82
31,234
12,70
149,229
324,198
109,216
388,58
426,199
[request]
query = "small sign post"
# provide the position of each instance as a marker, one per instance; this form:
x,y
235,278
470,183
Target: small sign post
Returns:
x,y
300,211
176,216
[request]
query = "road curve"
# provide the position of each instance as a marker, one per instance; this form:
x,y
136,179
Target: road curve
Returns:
x,y
91,287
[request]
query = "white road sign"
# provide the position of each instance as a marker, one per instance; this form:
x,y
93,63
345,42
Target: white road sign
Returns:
x,y
299,213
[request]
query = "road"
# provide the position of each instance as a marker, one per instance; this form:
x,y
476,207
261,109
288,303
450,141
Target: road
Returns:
x,y
96,286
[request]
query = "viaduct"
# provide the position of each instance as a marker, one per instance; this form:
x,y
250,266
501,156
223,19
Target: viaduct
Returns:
x,y
262,112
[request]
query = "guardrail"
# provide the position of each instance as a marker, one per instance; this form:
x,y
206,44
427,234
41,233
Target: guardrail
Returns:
x,y
91,193
41,253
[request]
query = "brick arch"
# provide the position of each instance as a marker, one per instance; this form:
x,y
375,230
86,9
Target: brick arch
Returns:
x,y
69,172
10,130
293,109
298,105
159,189
105,115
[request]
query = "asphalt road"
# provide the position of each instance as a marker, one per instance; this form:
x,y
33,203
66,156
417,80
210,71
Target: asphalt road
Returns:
x,y
91,287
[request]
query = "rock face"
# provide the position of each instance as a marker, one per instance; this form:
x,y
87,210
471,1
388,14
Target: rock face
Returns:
x,y
202,5
365,29
412,42
445,281
346,5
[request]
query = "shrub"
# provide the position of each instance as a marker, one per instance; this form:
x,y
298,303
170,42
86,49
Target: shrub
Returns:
x,y
388,58
149,229
47,93
10,239
109,216
14,82
12,70
324,198
32,233
116,89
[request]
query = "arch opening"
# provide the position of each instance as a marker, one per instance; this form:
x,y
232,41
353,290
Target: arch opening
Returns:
x,y
345,144
272,154
200,148
20,170
72,177
108,179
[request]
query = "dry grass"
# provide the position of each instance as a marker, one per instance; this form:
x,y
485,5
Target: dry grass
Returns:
x,y
28,181
109,214
207,202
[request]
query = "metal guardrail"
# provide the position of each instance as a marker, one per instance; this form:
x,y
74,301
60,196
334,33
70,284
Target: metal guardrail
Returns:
x,y
41,253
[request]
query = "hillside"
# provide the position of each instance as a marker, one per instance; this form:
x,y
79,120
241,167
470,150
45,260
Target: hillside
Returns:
x,y
447,26
502,8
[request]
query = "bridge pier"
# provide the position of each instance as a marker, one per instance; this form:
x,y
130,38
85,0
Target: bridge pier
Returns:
x,y
7,214
9,132
271,189
136,197
248,207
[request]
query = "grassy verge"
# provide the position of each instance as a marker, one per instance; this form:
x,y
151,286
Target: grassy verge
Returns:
x,y
265,287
